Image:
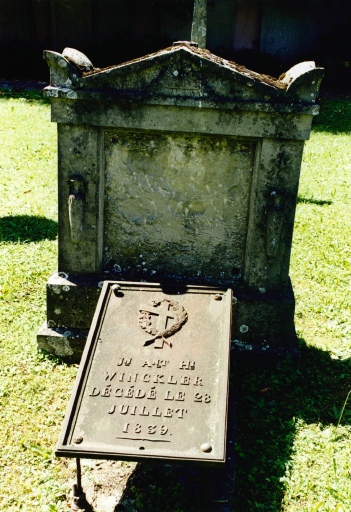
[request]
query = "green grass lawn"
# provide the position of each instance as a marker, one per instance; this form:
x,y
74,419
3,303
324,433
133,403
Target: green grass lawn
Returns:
x,y
294,433
33,389
293,429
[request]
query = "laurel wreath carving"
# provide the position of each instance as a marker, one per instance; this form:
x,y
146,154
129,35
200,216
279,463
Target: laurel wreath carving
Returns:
x,y
145,323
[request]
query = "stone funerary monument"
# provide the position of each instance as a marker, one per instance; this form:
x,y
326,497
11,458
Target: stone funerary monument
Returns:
x,y
180,168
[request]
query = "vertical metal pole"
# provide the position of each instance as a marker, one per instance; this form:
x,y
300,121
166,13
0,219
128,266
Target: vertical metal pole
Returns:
x,y
79,477
79,499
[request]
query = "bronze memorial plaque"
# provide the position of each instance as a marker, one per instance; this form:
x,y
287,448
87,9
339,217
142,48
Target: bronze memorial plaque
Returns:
x,y
153,380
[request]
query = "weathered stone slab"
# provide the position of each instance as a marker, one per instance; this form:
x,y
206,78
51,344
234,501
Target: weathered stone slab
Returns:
x,y
64,343
66,305
177,205
184,167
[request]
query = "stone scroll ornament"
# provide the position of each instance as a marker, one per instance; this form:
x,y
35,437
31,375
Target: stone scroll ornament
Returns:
x,y
170,316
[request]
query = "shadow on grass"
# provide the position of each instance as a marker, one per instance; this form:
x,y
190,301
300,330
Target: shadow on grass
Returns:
x,y
27,228
171,488
180,487
334,116
268,402
310,200
18,89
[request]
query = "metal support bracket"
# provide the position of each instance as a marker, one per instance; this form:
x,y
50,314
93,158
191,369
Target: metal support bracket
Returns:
x,y
79,498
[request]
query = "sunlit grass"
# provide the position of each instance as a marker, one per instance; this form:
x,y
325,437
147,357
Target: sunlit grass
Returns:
x,y
321,264
33,390
293,425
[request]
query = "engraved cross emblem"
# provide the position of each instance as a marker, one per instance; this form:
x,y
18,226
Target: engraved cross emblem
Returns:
x,y
170,318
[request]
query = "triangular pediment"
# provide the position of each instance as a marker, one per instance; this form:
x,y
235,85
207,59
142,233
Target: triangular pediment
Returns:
x,y
181,74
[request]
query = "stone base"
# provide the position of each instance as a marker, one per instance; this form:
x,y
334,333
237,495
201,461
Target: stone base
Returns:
x,y
259,356
263,330
70,303
66,344
71,300
262,322
263,318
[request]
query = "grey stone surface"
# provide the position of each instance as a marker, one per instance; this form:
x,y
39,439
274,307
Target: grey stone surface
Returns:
x,y
199,25
179,166
67,306
64,343
176,204
78,59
